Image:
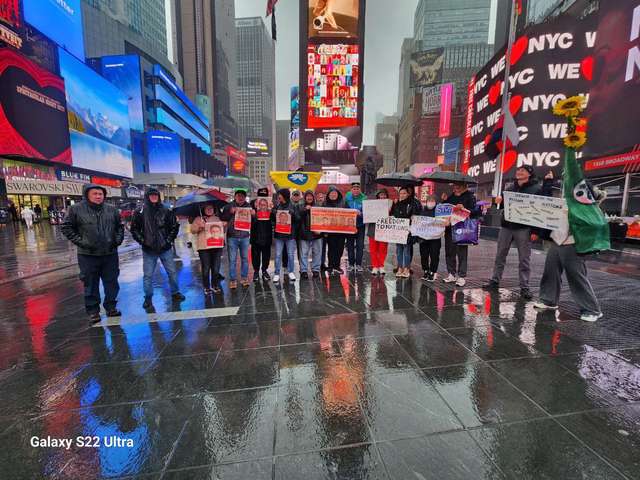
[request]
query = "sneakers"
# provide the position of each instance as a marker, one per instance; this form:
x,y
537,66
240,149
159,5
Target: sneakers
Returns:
x,y
217,289
256,276
337,271
543,306
426,277
276,278
94,318
207,291
491,285
591,317
244,282
461,282
381,271
265,275
433,276
525,293
304,275
292,276
233,284
449,279
351,268
316,274
114,313
359,268
178,297
374,271
147,303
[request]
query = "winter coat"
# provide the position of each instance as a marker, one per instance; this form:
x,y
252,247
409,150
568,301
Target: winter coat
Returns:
x,y
304,222
405,208
355,203
200,233
95,229
165,227
261,230
227,216
338,203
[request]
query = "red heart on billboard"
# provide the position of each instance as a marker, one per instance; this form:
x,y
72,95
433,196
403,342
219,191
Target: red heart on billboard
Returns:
x,y
586,67
509,160
515,104
494,92
518,49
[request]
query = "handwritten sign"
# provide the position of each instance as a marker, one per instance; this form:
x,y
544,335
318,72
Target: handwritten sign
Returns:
x,y
534,210
374,210
392,230
334,220
283,222
214,234
428,228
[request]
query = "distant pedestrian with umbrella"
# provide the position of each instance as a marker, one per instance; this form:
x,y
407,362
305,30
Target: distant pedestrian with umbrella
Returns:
x,y
237,240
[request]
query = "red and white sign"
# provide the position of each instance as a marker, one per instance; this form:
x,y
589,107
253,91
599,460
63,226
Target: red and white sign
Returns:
x,y
242,220
623,159
237,160
283,222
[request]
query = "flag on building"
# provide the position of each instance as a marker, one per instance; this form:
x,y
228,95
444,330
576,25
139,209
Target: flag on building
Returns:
x,y
270,6
271,10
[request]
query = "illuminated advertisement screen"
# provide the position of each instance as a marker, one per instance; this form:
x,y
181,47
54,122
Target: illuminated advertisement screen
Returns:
x,y
163,151
333,19
173,103
332,85
237,160
60,20
10,13
295,107
257,147
124,72
33,110
98,119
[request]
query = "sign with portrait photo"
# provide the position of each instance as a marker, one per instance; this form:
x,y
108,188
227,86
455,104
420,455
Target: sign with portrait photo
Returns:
x,y
334,220
214,232
242,220
263,207
283,222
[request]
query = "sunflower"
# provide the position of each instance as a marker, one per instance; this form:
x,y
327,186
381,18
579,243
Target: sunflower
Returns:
x,y
569,107
575,140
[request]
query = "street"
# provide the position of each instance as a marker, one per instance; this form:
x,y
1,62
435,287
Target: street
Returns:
x,y
351,377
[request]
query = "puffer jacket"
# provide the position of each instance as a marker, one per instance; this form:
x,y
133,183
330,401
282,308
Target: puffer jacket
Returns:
x,y
304,228
166,227
95,229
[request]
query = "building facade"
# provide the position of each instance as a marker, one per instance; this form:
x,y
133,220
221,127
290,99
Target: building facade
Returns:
x,y
283,127
259,169
386,136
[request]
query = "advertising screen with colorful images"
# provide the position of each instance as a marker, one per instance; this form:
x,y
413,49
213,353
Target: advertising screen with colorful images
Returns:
x,y
332,85
123,71
60,20
98,119
333,19
426,68
163,152
295,107
10,13
237,161
33,110
15,170
258,147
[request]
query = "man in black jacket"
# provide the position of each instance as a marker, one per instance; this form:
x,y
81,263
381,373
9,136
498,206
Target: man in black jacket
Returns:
x,y
95,228
155,227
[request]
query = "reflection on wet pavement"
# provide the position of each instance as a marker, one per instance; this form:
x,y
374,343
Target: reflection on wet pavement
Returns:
x,y
343,378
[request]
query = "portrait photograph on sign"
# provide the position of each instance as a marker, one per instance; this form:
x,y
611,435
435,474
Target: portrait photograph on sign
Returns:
x,y
333,18
214,234
283,222
242,220
334,220
263,207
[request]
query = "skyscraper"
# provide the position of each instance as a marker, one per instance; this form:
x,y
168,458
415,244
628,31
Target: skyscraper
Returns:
x,y
283,127
404,90
385,140
256,80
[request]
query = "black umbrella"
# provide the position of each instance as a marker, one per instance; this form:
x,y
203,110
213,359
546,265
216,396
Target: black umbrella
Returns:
x,y
232,183
191,204
448,177
399,180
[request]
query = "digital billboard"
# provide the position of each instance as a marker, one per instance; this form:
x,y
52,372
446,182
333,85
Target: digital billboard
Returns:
x,y
60,20
332,85
237,161
98,119
33,110
10,13
333,19
124,72
295,107
257,147
163,152
347,138
425,68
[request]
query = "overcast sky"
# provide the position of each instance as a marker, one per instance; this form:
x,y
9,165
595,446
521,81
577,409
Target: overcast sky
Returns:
x,y
385,30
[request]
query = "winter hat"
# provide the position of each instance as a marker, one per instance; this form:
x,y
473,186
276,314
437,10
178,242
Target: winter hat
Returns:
x,y
263,192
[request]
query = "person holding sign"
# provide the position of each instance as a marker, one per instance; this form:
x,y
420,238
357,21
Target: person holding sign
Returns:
x,y
430,249
404,208
283,217
335,241
237,238
309,241
209,243
261,235
355,243
377,250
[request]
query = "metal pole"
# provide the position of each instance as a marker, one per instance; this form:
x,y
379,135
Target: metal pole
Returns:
x,y
625,195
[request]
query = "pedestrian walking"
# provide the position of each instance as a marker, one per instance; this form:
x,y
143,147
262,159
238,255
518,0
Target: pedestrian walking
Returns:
x,y
284,220
210,254
418,208
310,242
13,211
430,249
525,182
405,207
261,235
28,216
237,240
377,250
355,242
38,211
95,228
155,228
335,241
457,255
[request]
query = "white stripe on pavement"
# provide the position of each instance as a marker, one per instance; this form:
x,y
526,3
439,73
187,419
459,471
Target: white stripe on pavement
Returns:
x,y
169,316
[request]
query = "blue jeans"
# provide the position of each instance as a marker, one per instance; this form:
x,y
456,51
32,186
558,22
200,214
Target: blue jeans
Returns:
x,y
403,254
149,264
233,245
355,247
291,254
316,253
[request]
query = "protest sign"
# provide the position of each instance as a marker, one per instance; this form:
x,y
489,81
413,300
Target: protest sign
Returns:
x,y
444,210
458,215
374,210
242,220
392,230
283,222
534,210
214,234
263,208
333,220
428,228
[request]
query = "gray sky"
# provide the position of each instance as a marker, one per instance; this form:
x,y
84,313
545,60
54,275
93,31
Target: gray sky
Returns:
x,y
385,30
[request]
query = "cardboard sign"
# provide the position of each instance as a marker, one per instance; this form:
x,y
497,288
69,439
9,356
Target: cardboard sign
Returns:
x,y
283,222
242,220
459,215
263,208
443,210
392,230
374,210
534,210
428,228
334,220
214,232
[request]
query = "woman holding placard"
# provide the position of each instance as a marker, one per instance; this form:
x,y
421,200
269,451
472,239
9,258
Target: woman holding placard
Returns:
x,y
377,250
284,216
209,232
430,249
335,241
404,208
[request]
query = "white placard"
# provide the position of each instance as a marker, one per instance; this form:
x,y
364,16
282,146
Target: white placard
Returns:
x,y
392,230
429,228
374,210
534,210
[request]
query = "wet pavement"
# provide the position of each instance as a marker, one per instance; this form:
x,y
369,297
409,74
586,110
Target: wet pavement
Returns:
x,y
350,377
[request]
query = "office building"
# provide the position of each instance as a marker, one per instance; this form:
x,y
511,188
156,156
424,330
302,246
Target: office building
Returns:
x,y
259,169
386,136
283,128
256,80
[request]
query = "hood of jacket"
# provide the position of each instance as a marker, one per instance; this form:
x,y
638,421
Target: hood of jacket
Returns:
x,y
333,203
304,197
286,194
90,186
147,202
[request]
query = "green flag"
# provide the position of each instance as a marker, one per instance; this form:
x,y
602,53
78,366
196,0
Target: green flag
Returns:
x,y
586,221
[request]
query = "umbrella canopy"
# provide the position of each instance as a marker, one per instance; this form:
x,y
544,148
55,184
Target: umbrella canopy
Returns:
x,y
448,177
190,205
399,180
232,183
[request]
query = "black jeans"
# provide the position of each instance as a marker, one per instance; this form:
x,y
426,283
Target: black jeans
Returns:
x,y
355,247
260,253
456,255
430,255
323,257
335,245
92,270
210,265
